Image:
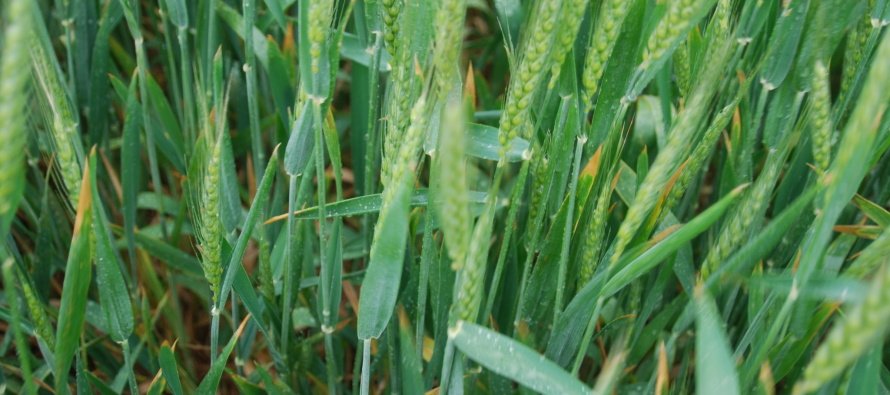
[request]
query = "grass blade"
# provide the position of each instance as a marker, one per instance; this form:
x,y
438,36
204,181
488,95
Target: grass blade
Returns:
x,y
113,294
170,369
131,169
514,360
367,204
714,366
72,311
380,286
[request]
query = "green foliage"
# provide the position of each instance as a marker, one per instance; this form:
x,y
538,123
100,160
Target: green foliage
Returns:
x,y
462,196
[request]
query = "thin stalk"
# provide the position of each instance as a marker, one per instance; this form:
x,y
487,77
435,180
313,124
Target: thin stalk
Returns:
x,y
371,138
538,221
391,342
329,361
290,264
515,197
175,87
72,49
356,367
532,245
567,234
132,15
780,322
189,100
526,269
446,367
259,155
426,260
588,333
366,368
208,44
131,378
239,360
322,235
214,333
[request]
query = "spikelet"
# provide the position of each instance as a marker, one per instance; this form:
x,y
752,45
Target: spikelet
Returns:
x,y
59,118
820,120
398,117
718,28
407,151
862,328
402,89
602,42
540,166
856,43
570,20
472,274
700,154
391,10
449,37
205,205
683,69
669,157
320,12
593,243
210,229
454,213
738,226
677,20
526,76
13,87
42,326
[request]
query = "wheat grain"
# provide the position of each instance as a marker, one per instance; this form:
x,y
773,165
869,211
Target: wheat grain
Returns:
x,y
677,20
42,326
602,42
454,209
320,12
820,118
571,15
391,10
449,37
401,92
593,243
856,43
529,71
540,166
682,69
